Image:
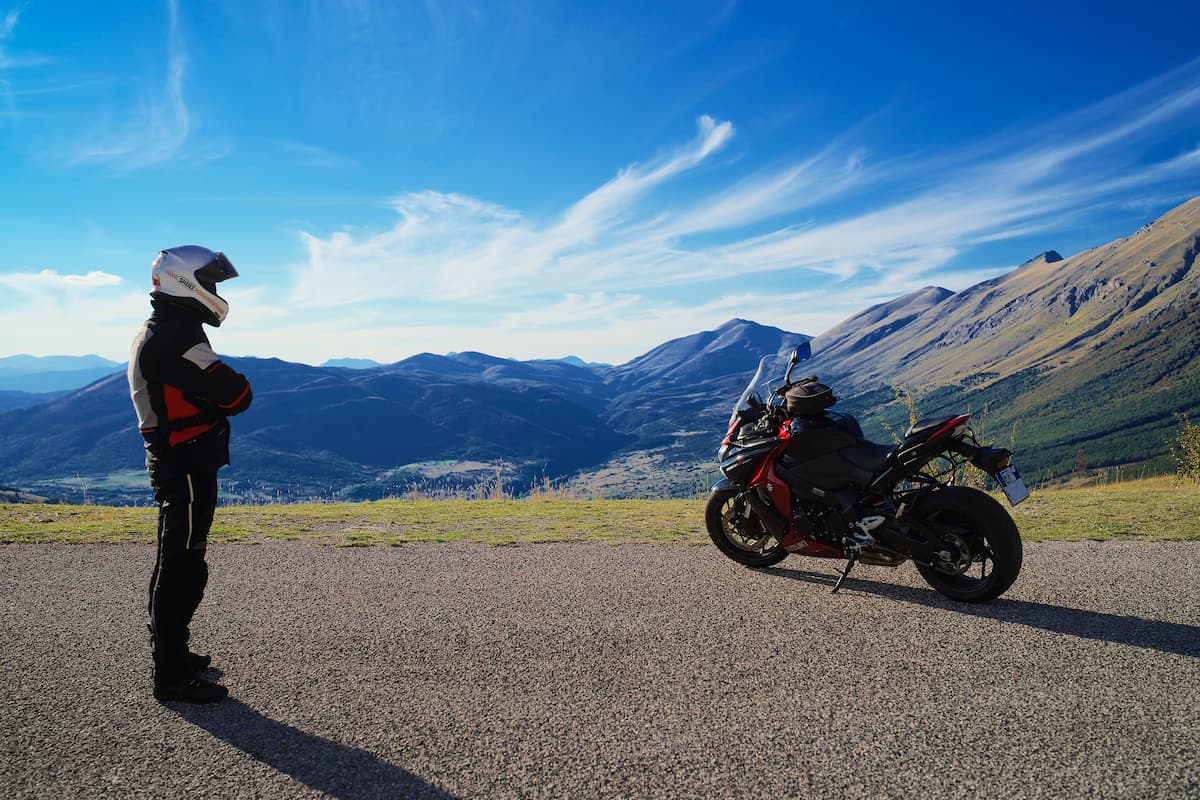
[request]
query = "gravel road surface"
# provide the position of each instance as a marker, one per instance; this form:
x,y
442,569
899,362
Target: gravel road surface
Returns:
x,y
582,670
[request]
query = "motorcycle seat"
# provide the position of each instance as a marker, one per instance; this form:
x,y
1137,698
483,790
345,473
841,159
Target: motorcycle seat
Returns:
x,y
868,456
925,426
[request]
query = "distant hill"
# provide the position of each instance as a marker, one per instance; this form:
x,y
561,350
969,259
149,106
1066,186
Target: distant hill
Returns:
x,y
352,363
579,362
30,365
362,433
678,394
40,374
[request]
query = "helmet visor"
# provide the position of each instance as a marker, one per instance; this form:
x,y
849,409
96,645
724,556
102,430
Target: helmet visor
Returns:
x,y
217,270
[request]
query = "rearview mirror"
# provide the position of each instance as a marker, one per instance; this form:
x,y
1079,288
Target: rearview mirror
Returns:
x,y
801,353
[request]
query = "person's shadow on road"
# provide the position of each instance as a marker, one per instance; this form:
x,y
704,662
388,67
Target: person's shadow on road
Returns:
x,y
1166,637
338,770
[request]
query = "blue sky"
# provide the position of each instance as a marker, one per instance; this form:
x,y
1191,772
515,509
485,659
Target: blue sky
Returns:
x,y
537,179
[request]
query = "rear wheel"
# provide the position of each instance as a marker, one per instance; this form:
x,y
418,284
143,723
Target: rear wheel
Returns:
x,y
738,533
981,539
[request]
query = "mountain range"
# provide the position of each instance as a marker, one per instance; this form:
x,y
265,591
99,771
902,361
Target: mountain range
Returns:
x,y
34,375
1094,353
1091,353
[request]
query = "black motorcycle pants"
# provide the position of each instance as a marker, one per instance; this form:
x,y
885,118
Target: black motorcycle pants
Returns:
x,y
186,503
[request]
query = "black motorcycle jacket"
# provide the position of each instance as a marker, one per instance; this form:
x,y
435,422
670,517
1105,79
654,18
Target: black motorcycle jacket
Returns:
x,y
182,393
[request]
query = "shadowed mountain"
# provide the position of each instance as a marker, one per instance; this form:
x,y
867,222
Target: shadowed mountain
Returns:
x,y
330,431
687,385
580,384
10,401
322,427
733,348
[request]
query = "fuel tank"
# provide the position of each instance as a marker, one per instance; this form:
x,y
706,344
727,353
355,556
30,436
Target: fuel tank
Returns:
x,y
829,452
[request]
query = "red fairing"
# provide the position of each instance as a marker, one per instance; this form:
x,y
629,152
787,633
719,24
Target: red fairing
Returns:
x,y
781,497
795,543
729,433
766,472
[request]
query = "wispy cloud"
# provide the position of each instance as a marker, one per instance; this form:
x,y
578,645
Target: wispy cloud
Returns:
x,y
8,24
688,237
157,127
312,156
8,61
624,237
463,247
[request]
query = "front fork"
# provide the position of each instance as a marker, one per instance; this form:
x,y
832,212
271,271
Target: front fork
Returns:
x,y
770,518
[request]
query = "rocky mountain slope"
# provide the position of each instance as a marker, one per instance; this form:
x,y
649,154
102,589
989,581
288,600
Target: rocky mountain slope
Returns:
x,y
1094,352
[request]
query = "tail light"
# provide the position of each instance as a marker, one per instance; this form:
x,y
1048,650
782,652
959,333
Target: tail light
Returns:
x,y
991,459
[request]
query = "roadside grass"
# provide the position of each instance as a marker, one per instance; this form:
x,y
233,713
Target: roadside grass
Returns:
x,y
1155,509
387,522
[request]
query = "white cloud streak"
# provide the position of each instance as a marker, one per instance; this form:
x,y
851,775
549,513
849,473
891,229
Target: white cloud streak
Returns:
x,y
458,247
312,156
8,26
619,239
157,128
49,280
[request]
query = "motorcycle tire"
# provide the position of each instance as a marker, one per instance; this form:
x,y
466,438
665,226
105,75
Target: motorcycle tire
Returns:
x,y
738,534
978,530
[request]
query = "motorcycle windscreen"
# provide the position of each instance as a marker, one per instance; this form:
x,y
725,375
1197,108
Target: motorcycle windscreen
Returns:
x,y
767,377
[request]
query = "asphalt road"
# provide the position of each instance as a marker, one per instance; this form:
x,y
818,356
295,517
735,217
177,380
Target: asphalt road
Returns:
x,y
578,671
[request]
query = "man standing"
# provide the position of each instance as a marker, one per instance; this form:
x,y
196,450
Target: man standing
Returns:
x,y
182,394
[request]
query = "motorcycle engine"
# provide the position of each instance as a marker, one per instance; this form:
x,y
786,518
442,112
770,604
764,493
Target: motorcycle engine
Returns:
x,y
822,524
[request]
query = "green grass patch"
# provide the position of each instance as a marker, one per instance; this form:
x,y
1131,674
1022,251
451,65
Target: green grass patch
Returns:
x,y
389,522
1161,509
1154,509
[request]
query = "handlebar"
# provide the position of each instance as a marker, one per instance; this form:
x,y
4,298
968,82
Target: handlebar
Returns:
x,y
787,384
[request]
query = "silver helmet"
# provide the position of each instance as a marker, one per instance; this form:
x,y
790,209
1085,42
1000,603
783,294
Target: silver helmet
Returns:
x,y
189,275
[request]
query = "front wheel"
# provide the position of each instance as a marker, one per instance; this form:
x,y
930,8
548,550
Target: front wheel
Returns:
x,y
981,539
737,531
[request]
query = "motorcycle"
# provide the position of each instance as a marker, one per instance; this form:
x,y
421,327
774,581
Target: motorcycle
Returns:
x,y
801,479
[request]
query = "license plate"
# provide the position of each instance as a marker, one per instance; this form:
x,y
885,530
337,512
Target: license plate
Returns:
x,y
1013,486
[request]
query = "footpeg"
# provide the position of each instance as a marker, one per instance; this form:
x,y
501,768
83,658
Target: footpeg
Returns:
x,y
868,524
861,537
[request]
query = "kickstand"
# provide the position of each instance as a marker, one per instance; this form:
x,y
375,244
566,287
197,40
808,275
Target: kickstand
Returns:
x,y
849,566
